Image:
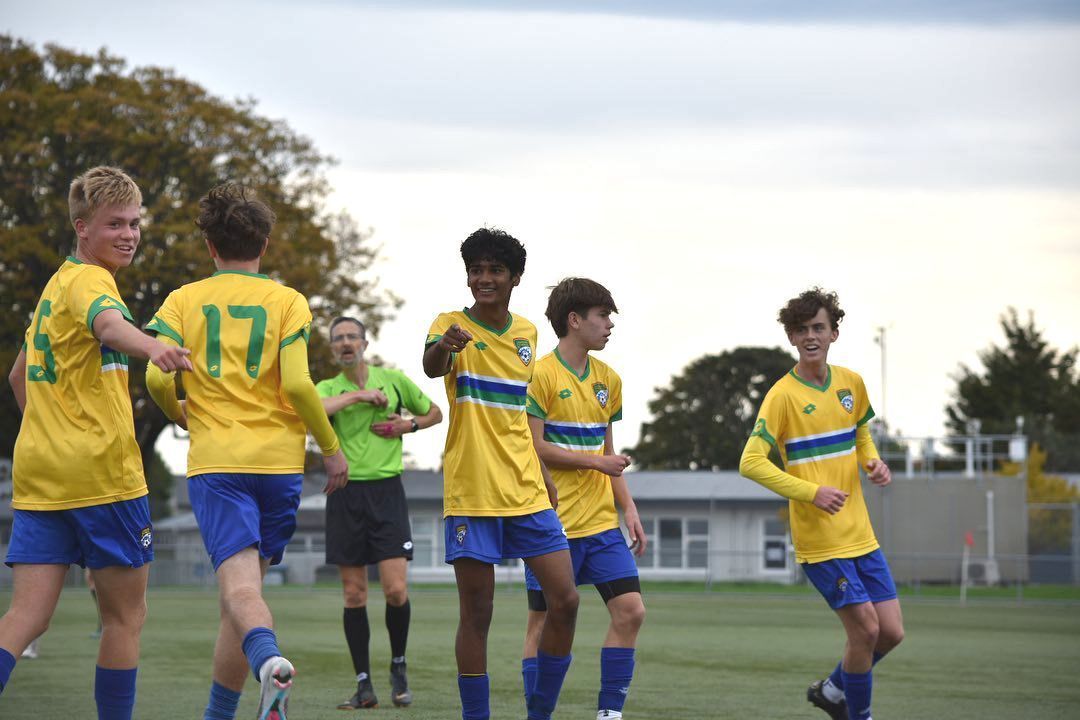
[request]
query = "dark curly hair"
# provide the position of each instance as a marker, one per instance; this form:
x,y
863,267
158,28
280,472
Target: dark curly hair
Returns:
x,y
494,245
576,295
235,222
800,309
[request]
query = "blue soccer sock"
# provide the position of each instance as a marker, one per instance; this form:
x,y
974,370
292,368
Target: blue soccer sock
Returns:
x,y
260,644
857,691
550,673
528,677
114,692
475,692
616,671
222,703
837,677
7,664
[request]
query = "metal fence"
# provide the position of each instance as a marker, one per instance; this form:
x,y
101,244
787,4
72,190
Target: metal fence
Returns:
x,y
303,565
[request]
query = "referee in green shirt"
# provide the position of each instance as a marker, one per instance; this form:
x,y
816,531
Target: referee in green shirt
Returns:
x,y
368,521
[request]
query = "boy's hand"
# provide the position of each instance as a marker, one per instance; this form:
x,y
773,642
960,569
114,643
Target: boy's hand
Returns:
x,y
374,397
878,472
455,339
638,539
612,465
170,358
337,471
830,499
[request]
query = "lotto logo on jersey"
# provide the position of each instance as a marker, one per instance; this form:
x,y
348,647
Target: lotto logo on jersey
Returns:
x,y
459,533
601,392
846,399
146,537
524,350
565,394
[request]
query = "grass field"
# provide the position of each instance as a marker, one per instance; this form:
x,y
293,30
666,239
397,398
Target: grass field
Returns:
x,y
724,654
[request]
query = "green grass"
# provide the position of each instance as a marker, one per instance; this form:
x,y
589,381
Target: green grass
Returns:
x,y
740,652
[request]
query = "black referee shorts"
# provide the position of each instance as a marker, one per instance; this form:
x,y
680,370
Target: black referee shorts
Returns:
x,y
368,521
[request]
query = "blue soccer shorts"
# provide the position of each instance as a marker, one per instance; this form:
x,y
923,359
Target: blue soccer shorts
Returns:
x,y
493,539
850,581
117,534
597,559
241,510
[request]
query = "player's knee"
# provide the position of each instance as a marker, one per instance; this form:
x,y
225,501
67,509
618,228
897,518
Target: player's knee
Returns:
x,y
476,611
889,638
865,635
396,595
562,603
354,596
629,618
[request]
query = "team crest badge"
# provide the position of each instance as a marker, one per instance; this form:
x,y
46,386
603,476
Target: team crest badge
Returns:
x,y
459,533
846,399
601,393
524,350
146,537
842,584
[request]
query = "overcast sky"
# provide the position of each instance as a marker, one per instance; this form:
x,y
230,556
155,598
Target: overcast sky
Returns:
x,y
704,160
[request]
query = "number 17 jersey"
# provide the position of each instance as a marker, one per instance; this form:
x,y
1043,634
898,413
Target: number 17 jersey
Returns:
x,y
235,324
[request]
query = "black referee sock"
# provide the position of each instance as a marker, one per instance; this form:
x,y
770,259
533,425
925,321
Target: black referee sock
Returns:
x,y
397,624
357,635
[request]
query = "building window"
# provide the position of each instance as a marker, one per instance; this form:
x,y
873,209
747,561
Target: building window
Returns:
x,y
425,540
774,545
675,543
697,543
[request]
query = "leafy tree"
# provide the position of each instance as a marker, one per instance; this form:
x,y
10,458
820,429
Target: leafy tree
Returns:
x,y
1024,378
1049,529
62,112
702,420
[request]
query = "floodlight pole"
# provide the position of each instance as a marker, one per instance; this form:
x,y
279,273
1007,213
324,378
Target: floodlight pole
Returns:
x,y
881,343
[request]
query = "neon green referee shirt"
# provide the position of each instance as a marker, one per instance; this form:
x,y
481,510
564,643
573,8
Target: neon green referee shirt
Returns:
x,y
370,456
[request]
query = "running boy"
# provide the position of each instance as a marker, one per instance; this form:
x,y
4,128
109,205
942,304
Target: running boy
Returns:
x,y
79,490
496,503
573,402
817,416
250,403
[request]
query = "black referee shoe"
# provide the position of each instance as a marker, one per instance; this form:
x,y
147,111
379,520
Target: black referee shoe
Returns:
x,y
836,710
364,697
399,684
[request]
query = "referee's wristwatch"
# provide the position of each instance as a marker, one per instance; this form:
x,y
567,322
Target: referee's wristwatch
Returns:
x,y
415,425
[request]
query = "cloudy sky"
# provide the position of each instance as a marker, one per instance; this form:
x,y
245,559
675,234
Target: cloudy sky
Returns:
x,y
705,160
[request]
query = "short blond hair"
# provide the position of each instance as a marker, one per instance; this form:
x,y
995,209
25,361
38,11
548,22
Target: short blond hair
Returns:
x,y
100,187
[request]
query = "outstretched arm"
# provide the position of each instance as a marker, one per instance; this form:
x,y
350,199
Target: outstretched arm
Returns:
x,y
112,328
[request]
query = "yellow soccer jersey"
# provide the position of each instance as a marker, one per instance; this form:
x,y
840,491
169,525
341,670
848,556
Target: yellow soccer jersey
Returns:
x,y
814,428
490,466
76,446
235,323
576,412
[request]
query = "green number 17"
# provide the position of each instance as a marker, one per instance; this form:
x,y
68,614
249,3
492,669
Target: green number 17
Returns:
x,y
256,314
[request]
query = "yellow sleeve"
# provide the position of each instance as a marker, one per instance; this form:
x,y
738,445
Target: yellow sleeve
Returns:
x,y
162,386
865,449
297,386
755,464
